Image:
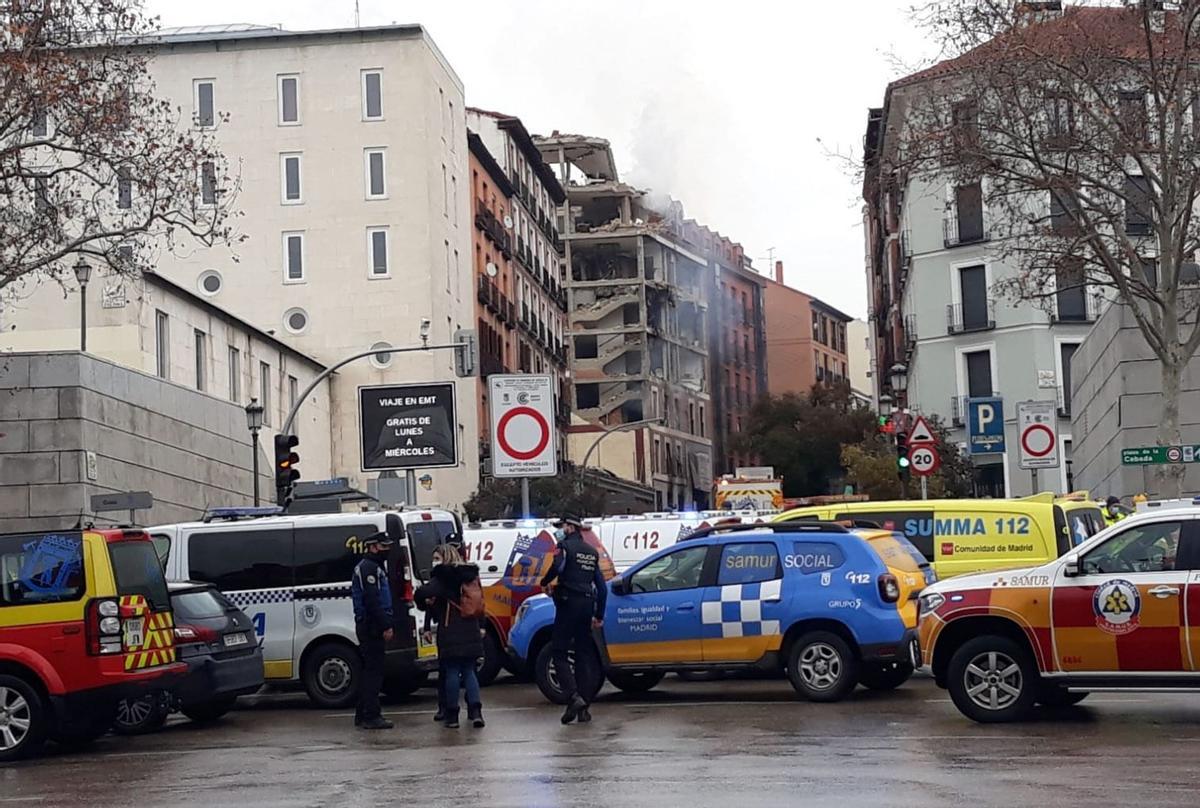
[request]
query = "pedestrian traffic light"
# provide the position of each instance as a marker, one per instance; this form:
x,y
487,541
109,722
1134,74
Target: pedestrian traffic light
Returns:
x,y
902,461
286,472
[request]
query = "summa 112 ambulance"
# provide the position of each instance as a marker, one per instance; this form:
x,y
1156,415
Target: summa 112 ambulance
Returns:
x,y
85,621
291,575
833,607
1122,610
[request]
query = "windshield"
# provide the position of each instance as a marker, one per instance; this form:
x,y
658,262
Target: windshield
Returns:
x,y
423,536
198,605
897,552
138,572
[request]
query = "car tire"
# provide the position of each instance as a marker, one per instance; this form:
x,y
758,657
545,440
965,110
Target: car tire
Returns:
x,y
547,680
492,661
26,719
635,682
401,687
822,666
993,679
142,715
209,711
1054,696
888,676
331,675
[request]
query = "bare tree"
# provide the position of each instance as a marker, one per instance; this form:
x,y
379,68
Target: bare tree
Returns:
x,y
1080,130
92,164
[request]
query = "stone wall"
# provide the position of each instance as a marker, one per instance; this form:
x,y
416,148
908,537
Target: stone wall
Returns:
x,y
73,425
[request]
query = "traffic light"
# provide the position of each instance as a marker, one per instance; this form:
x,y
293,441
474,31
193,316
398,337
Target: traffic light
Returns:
x,y
286,472
902,461
466,354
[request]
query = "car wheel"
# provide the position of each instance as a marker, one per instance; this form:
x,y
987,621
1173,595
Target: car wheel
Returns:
x,y
639,682
822,667
331,675
888,676
24,720
1054,696
992,679
141,715
401,687
547,678
492,661
209,711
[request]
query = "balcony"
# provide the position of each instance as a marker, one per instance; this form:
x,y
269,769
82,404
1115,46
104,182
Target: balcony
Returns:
x,y
1064,402
490,365
971,317
958,410
910,333
905,251
959,232
1077,308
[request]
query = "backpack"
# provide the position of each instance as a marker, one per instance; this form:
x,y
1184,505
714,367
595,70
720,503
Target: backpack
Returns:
x,y
470,600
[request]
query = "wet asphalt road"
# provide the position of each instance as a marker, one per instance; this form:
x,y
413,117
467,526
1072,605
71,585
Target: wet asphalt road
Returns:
x,y
740,743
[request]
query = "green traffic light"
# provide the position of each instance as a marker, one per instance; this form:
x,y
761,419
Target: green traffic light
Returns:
x,y
903,462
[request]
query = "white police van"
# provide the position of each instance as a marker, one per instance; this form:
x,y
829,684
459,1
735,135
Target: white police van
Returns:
x,y
291,575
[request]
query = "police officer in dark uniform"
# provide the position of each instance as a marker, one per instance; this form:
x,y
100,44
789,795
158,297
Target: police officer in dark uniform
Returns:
x,y
579,600
372,597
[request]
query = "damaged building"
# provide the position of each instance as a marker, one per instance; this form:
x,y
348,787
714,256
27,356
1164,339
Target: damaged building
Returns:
x,y
637,314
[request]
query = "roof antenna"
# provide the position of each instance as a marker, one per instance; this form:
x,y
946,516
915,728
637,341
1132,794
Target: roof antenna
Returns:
x,y
357,19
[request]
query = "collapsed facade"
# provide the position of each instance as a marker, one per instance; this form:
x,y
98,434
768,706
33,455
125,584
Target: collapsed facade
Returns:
x,y
637,312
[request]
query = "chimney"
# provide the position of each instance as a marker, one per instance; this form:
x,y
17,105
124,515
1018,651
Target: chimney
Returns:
x,y
779,272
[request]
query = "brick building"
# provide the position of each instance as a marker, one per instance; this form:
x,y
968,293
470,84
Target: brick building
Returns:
x,y
806,339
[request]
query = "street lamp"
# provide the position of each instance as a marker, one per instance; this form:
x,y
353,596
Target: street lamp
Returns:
x,y
254,422
885,405
83,272
898,376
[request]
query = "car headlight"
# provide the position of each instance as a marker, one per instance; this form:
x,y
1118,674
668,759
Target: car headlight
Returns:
x,y
110,625
931,602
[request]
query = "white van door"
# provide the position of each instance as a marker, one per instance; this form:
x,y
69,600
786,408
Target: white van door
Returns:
x,y
253,565
325,556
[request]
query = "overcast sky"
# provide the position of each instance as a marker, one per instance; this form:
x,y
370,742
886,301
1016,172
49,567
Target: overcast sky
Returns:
x,y
732,108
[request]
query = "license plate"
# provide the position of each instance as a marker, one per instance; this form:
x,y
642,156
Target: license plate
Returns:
x,y
236,639
135,632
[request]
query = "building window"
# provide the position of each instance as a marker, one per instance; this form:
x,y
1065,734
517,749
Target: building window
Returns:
x,y
449,271
453,127
293,257
384,358
375,173
124,189
975,314
235,374
457,276
1134,118
1064,213
1066,351
289,174
966,225
1070,294
264,391
445,192
208,183
201,340
203,99
979,374
162,344
295,320
289,100
454,200
372,95
293,392
1150,272
377,252
1060,118
40,127
210,282
1139,214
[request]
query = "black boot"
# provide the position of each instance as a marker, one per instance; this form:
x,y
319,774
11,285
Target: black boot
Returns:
x,y
376,723
451,719
440,715
475,715
585,715
576,706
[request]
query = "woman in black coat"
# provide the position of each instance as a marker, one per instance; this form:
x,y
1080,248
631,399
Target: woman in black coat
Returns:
x,y
459,637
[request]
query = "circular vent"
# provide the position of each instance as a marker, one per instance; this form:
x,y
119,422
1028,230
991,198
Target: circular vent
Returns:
x,y
210,282
295,320
381,360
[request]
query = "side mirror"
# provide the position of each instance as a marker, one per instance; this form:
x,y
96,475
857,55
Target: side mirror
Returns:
x,y
620,586
1071,566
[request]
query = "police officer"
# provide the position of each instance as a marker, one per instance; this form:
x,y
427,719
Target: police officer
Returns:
x,y
372,597
579,600
1113,512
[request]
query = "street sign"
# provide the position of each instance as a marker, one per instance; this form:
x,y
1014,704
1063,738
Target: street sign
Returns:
x,y
985,425
1037,434
332,487
408,426
1160,455
920,432
924,459
125,501
522,415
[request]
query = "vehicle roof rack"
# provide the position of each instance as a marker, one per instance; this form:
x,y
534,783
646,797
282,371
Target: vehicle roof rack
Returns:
x,y
774,527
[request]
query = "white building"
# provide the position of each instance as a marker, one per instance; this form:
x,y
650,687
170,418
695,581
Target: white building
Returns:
x,y
350,152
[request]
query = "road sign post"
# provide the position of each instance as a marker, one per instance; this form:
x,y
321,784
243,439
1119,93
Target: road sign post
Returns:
x,y
1037,438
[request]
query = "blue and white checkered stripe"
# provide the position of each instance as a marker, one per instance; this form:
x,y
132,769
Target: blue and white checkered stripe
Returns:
x,y
259,597
739,612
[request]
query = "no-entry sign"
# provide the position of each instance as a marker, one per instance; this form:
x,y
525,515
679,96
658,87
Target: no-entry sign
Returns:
x,y
522,415
1037,434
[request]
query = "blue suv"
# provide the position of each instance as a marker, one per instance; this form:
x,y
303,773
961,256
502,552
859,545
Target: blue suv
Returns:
x,y
832,607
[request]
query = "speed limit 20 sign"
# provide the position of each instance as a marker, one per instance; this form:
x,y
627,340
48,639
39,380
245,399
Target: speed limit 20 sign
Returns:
x,y
923,459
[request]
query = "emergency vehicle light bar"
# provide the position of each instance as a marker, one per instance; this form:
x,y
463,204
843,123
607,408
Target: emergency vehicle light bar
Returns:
x,y
213,514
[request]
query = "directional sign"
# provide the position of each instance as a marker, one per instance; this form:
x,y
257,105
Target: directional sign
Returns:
x,y
523,435
1037,434
1160,455
920,432
924,460
985,425
408,426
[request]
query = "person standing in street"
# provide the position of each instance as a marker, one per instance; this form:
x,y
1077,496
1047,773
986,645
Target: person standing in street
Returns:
x,y
454,595
580,596
372,598
1113,512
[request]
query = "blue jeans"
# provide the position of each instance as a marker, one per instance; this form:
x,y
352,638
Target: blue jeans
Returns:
x,y
460,673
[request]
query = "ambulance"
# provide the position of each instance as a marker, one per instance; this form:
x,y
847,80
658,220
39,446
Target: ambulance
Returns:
x,y
1115,612
291,575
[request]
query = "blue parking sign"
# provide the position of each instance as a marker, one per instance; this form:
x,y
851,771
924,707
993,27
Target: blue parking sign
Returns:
x,y
985,425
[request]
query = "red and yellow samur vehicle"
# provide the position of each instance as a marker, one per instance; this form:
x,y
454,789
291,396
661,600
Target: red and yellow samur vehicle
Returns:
x,y
1122,610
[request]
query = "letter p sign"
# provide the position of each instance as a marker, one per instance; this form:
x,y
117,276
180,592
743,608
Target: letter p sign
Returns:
x,y
985,427
987,414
